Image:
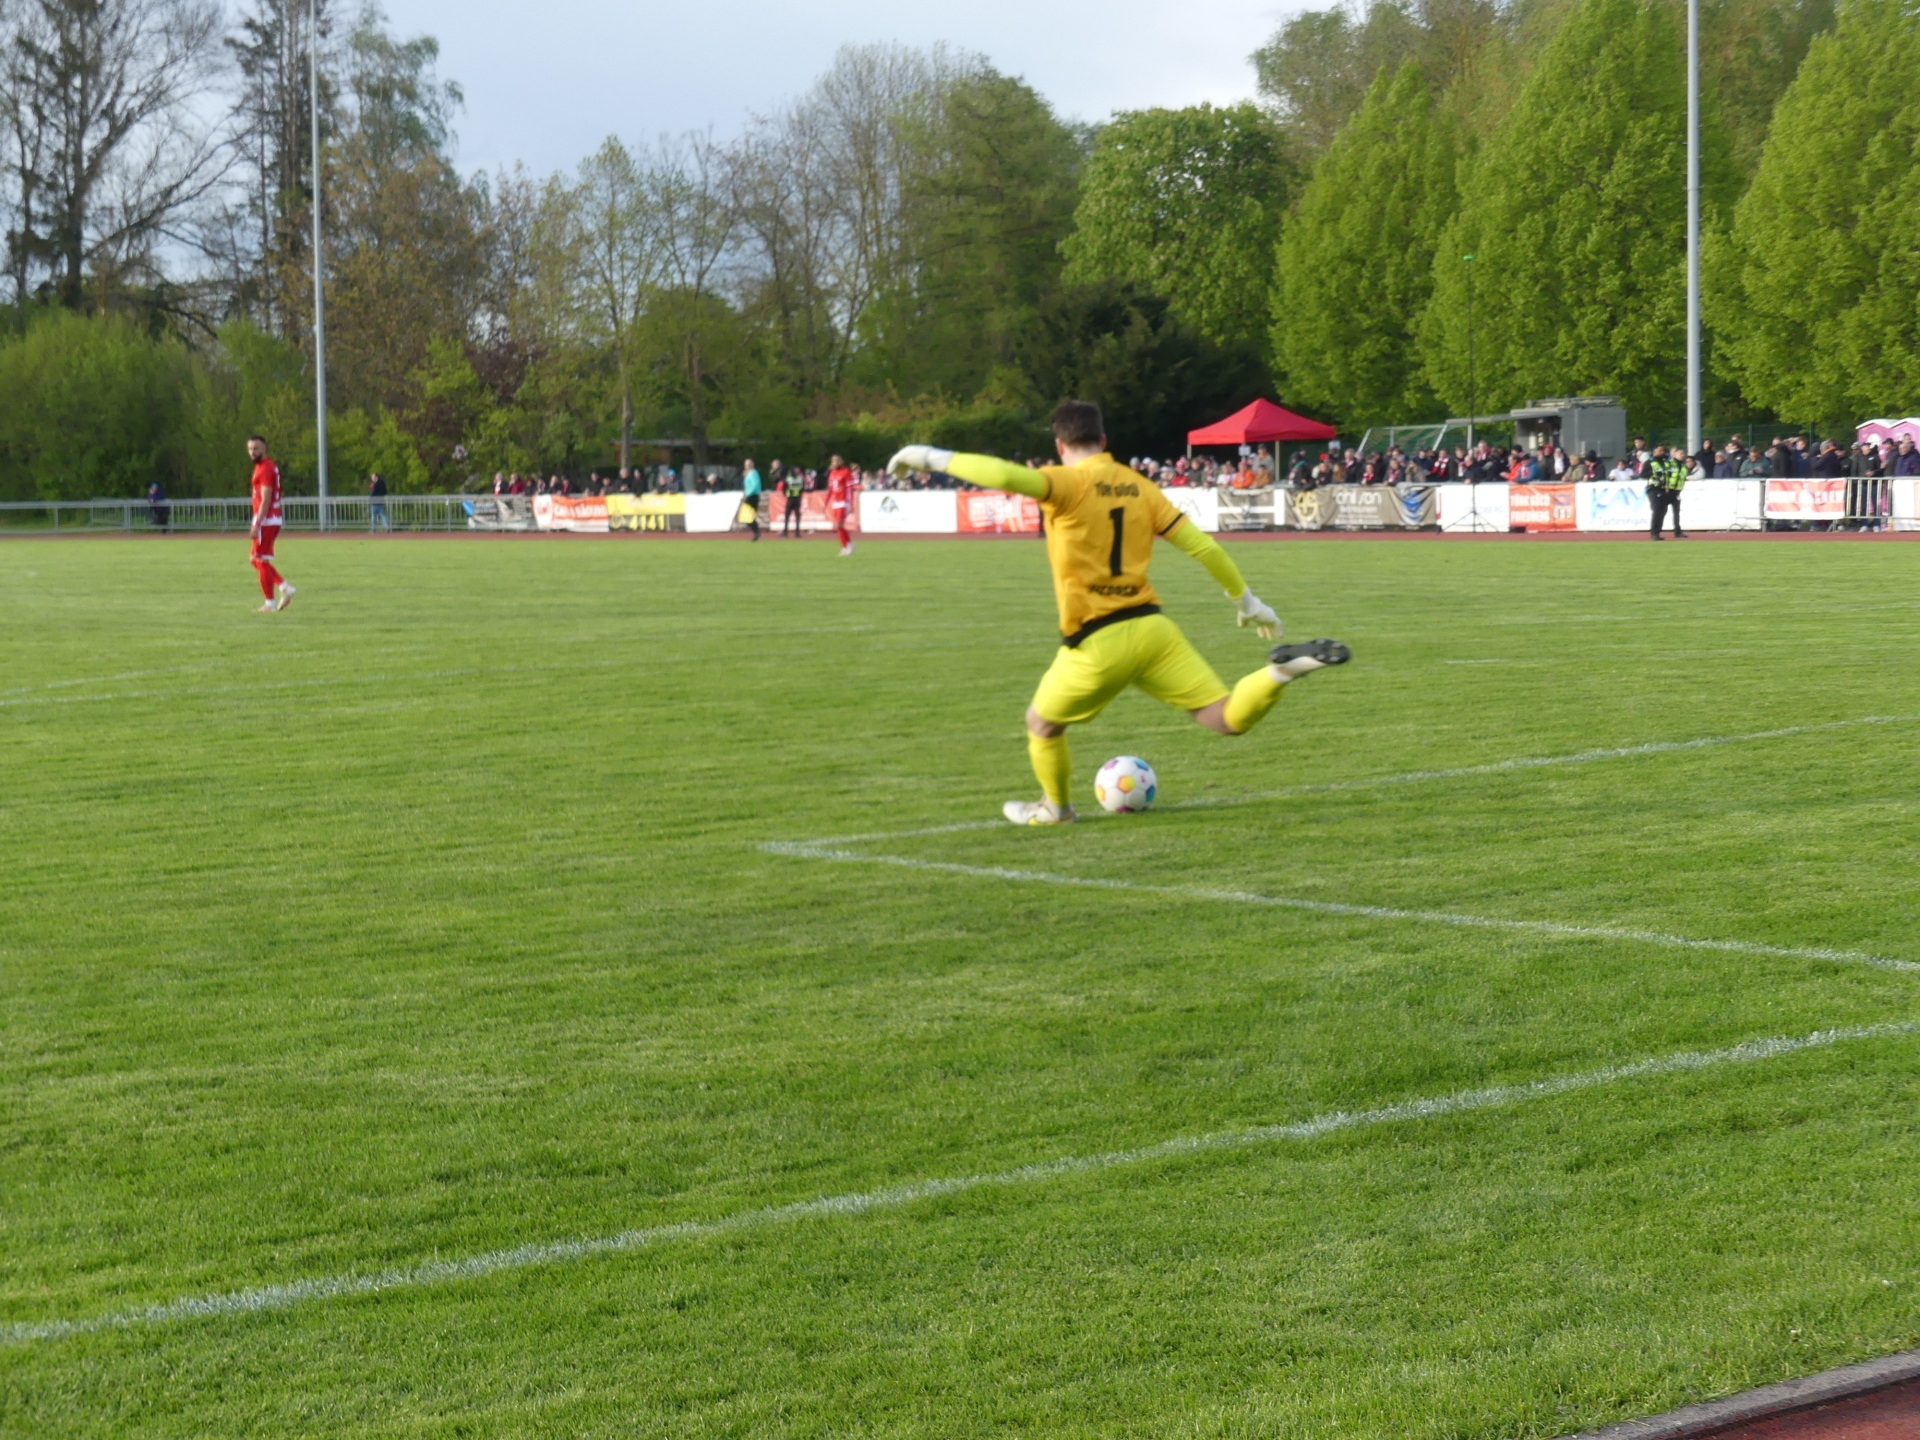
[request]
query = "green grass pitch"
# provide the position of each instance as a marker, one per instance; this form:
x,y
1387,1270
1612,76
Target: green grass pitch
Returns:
x,y
431,919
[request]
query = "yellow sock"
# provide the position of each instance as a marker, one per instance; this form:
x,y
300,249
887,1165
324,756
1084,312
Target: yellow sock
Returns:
x,y
1052,765
1252,698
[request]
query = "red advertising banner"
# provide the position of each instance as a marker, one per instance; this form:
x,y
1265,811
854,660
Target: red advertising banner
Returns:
x,y
1805,499
988,512
571,512
1540,507
814,515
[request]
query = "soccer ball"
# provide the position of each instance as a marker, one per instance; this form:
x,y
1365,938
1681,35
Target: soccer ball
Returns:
x,y
1125,783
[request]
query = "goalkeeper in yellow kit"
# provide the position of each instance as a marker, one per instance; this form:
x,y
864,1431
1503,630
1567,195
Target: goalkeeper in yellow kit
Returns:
x,y
1101,520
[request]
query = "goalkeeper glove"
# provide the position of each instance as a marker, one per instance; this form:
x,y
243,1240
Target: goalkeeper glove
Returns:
x,y
1256,612
918,457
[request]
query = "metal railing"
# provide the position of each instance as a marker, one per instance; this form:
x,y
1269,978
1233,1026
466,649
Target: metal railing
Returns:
x,y
393,514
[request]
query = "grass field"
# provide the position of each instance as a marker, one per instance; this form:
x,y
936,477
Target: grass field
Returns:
x,y
434,918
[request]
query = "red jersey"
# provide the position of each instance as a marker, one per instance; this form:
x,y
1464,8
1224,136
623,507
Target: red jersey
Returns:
x,y
840,486
266,492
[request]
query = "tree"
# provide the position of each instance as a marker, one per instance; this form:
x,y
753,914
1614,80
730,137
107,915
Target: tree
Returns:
x,y
1187,204
1577,219
262,239
108,150
987,201
696,222
1317,69
617,249
1355,268
1813,295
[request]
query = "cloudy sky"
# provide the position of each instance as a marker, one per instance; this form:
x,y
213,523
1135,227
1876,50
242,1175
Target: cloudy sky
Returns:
x,y
547,82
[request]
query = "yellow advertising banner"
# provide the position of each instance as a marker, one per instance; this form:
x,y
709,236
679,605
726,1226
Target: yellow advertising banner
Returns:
x,y
647,512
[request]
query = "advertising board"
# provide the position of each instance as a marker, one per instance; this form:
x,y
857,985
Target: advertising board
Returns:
x,y
1612,505
989,512
586,514
1820,499
1540,507
909,512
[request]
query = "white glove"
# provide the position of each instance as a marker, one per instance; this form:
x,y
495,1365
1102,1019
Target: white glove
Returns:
x,y
1256,612
918,457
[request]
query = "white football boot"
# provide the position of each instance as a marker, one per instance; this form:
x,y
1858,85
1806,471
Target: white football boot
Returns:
x,y
1038,812
283,594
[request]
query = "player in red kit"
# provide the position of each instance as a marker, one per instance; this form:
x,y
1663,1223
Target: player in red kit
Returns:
x,y
840,501
266,526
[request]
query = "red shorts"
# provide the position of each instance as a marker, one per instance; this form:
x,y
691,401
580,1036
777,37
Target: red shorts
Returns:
x,y
263,542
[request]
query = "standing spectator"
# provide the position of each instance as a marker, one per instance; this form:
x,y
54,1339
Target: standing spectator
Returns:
x,y
1622,472
750,497
377,503
159,515
1907,460
1780,458
1829,464
795,493
1665,480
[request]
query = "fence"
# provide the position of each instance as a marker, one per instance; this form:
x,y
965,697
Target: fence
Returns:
x,y
404,513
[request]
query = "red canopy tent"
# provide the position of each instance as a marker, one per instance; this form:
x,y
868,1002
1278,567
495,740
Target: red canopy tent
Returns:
x,y
1259,423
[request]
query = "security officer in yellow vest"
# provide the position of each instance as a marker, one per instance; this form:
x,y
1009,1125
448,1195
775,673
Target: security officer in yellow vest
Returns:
x,y
1666,478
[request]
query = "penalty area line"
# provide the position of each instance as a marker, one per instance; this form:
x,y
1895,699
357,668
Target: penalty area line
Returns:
x,y
494,1262
1420,777
816,850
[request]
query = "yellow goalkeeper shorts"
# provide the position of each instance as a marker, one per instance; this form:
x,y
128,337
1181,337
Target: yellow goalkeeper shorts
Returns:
x,y
1149,652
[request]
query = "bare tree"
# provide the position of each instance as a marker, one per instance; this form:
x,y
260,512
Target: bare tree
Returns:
x,y
112,153
697,222
617,248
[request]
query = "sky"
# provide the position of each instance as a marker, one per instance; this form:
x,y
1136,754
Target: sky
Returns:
x,y
546,82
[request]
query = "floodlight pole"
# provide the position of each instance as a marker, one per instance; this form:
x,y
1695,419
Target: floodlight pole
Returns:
x,y
319,264
1473,405
1693,229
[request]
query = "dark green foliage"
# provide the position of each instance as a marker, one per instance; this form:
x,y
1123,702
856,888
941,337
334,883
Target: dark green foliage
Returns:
x,y
988,199
92,408
1815,290
1576,213
1356,261
1187,204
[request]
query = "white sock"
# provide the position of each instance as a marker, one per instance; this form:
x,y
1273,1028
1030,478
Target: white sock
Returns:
x,y
1293,669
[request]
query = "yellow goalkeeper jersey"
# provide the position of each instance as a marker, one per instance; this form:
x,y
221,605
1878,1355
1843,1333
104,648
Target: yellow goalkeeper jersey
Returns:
x,y
1101,519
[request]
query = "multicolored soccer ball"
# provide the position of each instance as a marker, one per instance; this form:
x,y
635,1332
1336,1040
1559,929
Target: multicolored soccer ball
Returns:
x,y
1125,783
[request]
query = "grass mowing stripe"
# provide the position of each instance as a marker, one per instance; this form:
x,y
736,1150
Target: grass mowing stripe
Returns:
x,y
815,850
1417,777
494,1262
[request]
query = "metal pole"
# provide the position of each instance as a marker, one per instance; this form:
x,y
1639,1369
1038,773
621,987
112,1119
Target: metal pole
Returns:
x,y
1693,229
1473,403
319,265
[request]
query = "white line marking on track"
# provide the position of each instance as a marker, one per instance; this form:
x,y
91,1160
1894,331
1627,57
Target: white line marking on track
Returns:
x,y
1418,777
816,850
522,1257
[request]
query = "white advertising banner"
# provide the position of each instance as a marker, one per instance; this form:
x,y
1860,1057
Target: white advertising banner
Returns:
x,y
1906,503
1613,505
909,512
1722,504
1818,498
714,514
1200,505
1473,509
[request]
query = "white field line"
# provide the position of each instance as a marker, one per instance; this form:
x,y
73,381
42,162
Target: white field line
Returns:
x,y
815,850
522,1257
1417,777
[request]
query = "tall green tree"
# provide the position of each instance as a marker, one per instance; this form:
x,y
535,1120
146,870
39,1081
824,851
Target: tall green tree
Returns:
x,y
1814,295
1356,261
1186,204
1576,214
987,199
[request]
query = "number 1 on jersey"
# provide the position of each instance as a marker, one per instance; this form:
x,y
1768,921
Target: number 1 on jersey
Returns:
x,y
1119,517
